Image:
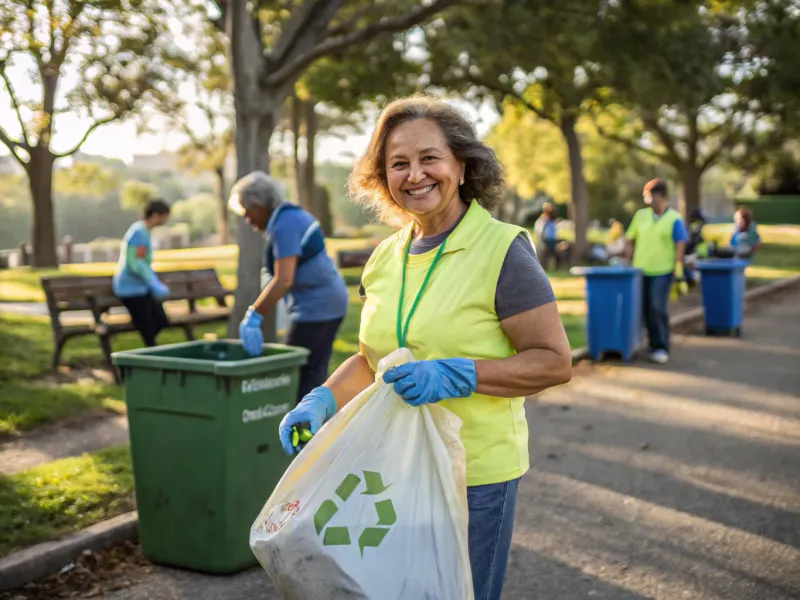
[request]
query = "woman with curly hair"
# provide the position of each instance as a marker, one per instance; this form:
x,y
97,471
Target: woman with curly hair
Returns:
x,y
466,294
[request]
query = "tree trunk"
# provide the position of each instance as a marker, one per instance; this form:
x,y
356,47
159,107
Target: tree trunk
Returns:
x,y
322,203
498,212
256,111
253,132
309,168
222,215
299,177
517,217
579,199
43,234
690,190
40,179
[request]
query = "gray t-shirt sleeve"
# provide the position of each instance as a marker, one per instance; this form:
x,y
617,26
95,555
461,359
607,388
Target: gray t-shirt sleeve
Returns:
x,y
522,284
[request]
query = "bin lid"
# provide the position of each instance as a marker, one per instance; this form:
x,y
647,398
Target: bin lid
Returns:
x,y
614,271
721,264
220,357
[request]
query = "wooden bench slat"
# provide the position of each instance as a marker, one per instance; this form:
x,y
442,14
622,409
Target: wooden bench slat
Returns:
x,y
68,293
353,258
209,288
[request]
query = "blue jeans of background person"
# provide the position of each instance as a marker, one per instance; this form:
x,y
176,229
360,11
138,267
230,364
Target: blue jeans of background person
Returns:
x,y
656,310
491,522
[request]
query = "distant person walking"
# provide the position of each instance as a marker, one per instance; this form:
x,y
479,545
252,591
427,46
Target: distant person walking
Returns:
x,y
696,246
656,239
615,243
546,235
134,282
745,239
300,268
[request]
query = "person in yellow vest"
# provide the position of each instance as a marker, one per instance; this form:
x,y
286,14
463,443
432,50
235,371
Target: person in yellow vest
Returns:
x,y
466,294
657,239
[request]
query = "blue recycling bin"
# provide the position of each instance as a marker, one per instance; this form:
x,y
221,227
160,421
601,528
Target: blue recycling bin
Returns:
x,y
722,283
613,309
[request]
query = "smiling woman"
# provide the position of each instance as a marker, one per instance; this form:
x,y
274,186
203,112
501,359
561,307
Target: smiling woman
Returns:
x,y
466,294
431,137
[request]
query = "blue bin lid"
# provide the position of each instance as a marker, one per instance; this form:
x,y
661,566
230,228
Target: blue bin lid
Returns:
x,y
722,264
615,271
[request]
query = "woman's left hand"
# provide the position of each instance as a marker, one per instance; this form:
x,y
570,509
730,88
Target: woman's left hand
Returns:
x,y
429,381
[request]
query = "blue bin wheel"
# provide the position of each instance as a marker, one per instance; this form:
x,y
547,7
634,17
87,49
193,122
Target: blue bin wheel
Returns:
x,y
725,332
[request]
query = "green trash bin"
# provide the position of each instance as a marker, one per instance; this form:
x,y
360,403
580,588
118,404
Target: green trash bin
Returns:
x,y
203,419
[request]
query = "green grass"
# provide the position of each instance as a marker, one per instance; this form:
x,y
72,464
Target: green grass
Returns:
x,y
574,324
30,397
27,404
777,258
64,496
346,343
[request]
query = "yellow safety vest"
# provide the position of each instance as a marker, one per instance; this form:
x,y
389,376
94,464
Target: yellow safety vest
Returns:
x,y
654,252
455,318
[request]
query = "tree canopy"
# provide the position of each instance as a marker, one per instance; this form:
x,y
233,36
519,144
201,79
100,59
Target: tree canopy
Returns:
x,y
703,89
118,54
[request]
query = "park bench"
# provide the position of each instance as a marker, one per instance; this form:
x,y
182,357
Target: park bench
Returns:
x,y
70,293
353,258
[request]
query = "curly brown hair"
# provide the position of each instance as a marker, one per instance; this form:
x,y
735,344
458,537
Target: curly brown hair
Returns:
x,y
483,173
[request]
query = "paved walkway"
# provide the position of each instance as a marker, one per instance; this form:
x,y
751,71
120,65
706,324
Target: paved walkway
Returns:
x,y
39,309
676,482
52,443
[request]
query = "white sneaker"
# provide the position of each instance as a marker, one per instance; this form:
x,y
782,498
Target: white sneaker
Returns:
x,y
659,356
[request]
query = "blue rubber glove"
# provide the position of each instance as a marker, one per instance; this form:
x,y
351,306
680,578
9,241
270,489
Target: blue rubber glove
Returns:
x,y
159,289
315,408
429,381
250,332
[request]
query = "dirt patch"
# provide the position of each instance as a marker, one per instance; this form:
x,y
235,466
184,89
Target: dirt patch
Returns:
x,y
67,375
86,432
78,421
79,375
93,575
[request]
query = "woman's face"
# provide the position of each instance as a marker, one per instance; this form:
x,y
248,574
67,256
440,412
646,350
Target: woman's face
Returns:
x,y
422,172
257,217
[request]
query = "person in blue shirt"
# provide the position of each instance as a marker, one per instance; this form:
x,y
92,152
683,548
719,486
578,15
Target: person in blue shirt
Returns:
x,y
300,269
134,282
745,239
545,230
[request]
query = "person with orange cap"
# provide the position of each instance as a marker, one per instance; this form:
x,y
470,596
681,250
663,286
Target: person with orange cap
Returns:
x,y
656,240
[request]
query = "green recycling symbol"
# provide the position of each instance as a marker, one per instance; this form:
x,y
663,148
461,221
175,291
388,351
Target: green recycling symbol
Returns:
x,y
371,537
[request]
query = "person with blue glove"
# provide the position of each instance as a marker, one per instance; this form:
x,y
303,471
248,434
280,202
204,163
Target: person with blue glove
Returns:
x,y
466,295
429,381
318,406
134,282
299,269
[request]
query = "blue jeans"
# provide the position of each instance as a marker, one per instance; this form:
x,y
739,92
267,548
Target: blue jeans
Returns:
x,y
491,522
655,308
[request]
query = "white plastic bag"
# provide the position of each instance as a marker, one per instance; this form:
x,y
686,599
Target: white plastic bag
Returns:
x,y
374,507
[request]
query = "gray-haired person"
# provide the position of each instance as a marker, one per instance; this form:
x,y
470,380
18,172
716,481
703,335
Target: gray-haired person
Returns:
x,y
300,269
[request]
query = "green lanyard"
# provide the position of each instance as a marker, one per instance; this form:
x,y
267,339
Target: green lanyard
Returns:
x,y
402,331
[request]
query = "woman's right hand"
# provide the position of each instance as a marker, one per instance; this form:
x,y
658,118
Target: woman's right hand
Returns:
x,y
250,332
317,407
